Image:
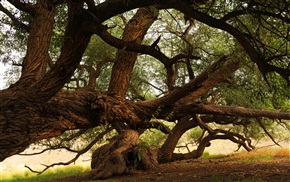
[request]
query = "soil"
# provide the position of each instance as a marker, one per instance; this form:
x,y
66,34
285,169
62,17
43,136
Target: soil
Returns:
x,y
225,169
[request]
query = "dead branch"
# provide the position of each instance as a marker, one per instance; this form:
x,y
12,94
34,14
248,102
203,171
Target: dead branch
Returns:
x,y
79,153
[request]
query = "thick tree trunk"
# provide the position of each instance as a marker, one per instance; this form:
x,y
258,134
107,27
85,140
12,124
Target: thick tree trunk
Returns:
x,y
31,111
122,154
134,31
27,112
23,122
35,62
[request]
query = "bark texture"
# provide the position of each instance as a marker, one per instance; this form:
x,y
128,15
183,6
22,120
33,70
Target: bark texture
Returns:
x,y
134,32
36,107
36,59
121,155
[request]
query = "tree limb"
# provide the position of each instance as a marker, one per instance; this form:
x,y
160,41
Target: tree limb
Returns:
x,y
101,30
207,108
15,21
21,5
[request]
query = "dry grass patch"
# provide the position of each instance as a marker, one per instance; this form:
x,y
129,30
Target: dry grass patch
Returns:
x,y
263,154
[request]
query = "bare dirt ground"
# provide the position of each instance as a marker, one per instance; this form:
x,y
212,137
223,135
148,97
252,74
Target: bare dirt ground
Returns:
x,y
224,169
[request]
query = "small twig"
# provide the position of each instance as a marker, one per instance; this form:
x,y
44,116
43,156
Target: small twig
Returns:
x,y
185,146
32,169
271,145
265,130
239,139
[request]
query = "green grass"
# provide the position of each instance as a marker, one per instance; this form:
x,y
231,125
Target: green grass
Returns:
x,y
54,173
257,158
266,154
207,155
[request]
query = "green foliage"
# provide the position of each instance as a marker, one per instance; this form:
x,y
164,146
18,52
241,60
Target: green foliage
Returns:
x,y
170,116
153,138
246,88
194,134
205,155
148,84
58,32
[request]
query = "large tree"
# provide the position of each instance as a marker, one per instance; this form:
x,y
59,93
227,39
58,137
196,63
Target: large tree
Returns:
x,y
194,77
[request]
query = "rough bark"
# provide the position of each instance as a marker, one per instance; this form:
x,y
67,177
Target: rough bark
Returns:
x,y
209,108
122,154
35,62
41,110
23,122
73,48
134,31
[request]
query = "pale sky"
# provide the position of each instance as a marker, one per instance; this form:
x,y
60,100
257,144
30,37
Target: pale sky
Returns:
x,y
2,80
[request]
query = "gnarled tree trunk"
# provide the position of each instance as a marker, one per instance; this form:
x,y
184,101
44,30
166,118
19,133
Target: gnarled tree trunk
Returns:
x,y
123,153
36,108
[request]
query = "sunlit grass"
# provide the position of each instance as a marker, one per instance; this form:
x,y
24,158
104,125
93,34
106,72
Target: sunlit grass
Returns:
x,y
207,155
50,174
262,154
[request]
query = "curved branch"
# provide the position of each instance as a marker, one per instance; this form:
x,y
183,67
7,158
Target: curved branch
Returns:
x,y
101,30
219,135
15,21
21,5
265,130
237,13
190,12
217,23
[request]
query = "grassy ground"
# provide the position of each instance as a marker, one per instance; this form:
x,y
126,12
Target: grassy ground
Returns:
x,y
50,174
266,155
